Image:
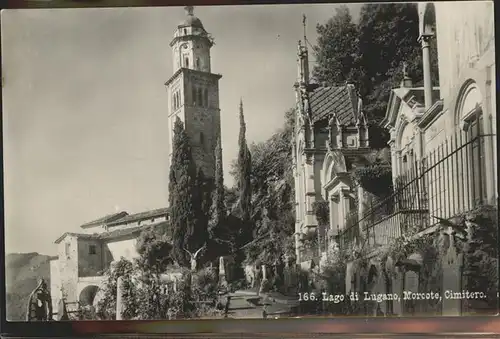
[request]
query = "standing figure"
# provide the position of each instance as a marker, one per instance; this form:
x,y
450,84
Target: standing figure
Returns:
x,y
39,303
193,257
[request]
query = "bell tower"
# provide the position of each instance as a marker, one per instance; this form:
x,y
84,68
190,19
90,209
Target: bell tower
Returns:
x,y
193,90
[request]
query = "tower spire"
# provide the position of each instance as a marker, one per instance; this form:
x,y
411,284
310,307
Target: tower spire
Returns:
x,y
303,61
304,27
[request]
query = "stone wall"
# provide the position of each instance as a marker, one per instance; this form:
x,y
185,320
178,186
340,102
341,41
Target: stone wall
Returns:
x,y
90,258
55,283
202,123
465,33
123,248
68,267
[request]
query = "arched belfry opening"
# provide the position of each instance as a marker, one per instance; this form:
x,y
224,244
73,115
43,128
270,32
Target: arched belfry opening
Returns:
x,y
429,29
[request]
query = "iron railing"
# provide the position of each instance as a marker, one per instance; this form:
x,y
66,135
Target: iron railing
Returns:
x,y
448,181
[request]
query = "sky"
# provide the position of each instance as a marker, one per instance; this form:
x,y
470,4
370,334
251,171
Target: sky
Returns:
x,y
85,128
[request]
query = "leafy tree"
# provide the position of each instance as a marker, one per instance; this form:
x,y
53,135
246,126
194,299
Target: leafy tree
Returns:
x,y
273,196
154,249
336,61
371,56
182,193
106,306
388,37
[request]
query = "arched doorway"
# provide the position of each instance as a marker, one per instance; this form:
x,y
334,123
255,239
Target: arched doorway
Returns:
x,y
87,295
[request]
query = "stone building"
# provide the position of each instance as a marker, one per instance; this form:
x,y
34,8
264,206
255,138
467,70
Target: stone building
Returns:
x,y
443,152
77,271
331,134
193,92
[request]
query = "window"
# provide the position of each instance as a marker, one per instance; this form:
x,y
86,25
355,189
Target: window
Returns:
x,y
199,97
185,31
202,139
477,157
205,94
177,100
186,62
194,96
66,249
92,249
198,63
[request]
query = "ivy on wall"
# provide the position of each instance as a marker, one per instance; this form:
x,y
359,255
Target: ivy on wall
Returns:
x,y
481,254
375,178
322,212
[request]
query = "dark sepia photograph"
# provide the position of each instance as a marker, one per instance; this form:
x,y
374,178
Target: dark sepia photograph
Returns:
x,y
250,161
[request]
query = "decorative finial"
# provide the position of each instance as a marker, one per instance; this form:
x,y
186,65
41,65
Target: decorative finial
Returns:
x,y
304,24
405,69
406,81
189,10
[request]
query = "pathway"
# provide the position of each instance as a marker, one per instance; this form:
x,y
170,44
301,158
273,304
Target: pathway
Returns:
x,y
246,304
241,308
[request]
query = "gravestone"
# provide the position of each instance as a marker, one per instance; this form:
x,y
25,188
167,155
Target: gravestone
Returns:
x,y
263,282
410,285
397,287
120,307
349,278
222,273
452,276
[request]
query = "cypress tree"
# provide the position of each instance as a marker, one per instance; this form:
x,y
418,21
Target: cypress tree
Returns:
x,y
197,234
218,208
181,192
244,168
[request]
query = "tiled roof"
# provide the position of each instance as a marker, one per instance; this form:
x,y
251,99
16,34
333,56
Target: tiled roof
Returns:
x,y
342,100
140,216
105,219
128,231
112,234
79,235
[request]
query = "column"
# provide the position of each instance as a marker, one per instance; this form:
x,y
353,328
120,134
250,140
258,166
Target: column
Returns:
x,y
310,192
333,223
361,208
344,207
341,213
426,60
346,202
419,150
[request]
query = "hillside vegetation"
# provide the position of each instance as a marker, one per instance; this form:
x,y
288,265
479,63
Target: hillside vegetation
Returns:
x,y
22,271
